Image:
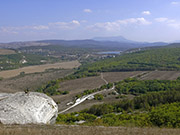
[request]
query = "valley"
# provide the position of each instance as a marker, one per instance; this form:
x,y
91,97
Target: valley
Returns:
x,y
86,85
90,67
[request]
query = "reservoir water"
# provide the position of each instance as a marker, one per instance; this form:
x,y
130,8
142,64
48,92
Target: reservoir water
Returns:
x,y
110,52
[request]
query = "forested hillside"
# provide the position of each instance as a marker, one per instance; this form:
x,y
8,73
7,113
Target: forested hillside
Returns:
x,y
154,59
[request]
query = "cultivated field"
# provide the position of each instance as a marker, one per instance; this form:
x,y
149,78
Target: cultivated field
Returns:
x,y
118,76
31,81
79,85
75,87
94,82
82,130
39,68
161,75
6,51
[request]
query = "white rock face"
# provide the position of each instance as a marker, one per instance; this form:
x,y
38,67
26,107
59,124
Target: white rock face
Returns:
x,y
27,108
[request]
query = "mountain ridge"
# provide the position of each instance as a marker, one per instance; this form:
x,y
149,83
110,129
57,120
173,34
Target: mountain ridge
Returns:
x,y
122,44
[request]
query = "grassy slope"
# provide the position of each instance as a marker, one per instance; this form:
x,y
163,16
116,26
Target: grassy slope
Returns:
x,y
83,130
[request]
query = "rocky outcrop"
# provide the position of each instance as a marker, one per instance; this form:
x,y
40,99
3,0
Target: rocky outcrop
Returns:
x,y
27,108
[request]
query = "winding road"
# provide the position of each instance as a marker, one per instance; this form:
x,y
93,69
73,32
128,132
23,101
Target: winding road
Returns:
x,y
84,98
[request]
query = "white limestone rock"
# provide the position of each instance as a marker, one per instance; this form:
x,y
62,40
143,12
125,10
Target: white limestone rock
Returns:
x,y
27,108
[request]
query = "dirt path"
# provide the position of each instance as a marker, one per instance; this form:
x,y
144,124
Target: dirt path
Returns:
x,y
84,98
102,77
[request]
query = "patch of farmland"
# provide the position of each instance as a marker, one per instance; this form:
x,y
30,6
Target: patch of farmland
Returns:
x,y
161,75
82,83
31,81
77,86
6,52
96,81
118,76
39,68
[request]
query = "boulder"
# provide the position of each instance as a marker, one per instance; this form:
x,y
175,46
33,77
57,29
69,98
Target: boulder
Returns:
x,y
27,108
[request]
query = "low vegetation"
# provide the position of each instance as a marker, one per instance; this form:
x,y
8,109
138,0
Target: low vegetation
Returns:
x,y
52,88
131,113
135,86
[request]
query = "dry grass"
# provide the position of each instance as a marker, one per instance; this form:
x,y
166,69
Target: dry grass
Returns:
x,y
39,68
83,130
6,52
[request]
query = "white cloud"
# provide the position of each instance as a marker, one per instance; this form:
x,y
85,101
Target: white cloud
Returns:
x,y
175,25
146,12
16,30
84,21
170,22
65,25
161,19
40,27
165,20
8,30
116,25
76,22
34,28
140,21
87,10
175,3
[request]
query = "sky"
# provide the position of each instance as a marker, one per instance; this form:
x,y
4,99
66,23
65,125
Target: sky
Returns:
x,y
138,20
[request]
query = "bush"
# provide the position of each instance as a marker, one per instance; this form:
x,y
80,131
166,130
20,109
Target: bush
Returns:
x,y
1,78
22,73
98,97
166,115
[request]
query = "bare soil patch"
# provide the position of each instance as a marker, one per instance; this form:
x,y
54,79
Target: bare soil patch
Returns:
x,y
6,52
39,68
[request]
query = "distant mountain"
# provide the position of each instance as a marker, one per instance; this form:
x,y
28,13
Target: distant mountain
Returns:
x,y
116,39
173,45
121,45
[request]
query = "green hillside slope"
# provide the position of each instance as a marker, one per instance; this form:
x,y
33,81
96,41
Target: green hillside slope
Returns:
x,y
154,59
